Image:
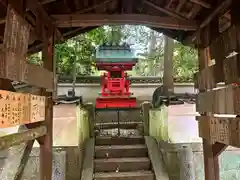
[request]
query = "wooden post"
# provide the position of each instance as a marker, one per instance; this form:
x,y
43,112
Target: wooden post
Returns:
x,y
46,141
210,153
145,113
187,171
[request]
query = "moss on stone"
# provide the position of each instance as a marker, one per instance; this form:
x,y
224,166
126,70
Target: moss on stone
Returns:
x,y
82,125
158,124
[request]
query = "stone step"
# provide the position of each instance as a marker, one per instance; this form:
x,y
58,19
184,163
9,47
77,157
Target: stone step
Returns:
x,y
119,140
134,175
119,151
122,164
121,125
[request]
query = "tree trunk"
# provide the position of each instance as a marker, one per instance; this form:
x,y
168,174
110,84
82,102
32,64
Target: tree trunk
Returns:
x,y
151,51
168,86
74,74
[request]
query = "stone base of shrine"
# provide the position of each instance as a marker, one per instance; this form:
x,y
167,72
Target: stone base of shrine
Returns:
x,y
174,127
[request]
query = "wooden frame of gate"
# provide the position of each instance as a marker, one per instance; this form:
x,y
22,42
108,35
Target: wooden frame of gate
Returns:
x,y
36,111
33,111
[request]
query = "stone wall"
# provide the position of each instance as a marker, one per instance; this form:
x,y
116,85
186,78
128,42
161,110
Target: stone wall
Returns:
x,y
65,164
67,161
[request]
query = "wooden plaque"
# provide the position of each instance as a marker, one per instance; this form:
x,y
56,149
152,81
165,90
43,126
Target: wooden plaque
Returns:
x,y
37,108
14,109
19,108
222,130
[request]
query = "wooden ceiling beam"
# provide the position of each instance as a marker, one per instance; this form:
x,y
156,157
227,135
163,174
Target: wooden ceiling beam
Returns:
x,y
93,7
169,4
42,16
180,5
201,3
193,13
47,1
164,10
81,20
223,5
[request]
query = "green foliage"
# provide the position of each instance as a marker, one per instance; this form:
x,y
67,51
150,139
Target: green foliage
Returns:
x,y
184,63
81,49
35,58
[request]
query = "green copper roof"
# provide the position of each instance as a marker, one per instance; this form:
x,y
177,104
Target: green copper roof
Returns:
x,y
115,53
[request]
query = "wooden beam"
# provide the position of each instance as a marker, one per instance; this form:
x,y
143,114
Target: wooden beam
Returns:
x,y
195,10
37,8
24,160
47,141
169,3
223,5
201,3
211,162
220,101
21,137
93,7
47,1
78,20
45,21
164,10
180,5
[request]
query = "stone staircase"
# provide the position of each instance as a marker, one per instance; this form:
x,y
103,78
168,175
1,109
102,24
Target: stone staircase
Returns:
x,y
122,158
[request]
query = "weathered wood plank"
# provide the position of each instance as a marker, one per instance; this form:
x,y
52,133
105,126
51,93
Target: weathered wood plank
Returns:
x,y
220,129
231,69
15,45
225,44
220,101
18,138
227,71
37,76
88,165
206,78
13,63
19,70
24,160
47,141
156,159
19,108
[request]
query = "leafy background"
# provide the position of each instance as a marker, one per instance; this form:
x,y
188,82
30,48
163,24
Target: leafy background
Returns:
x,y
76,55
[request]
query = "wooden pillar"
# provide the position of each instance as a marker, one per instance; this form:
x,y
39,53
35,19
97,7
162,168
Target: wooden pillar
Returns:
x,y
46,141
210,162
211,151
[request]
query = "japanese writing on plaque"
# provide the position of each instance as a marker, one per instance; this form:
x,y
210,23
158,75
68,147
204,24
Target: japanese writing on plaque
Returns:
x,y
19,108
